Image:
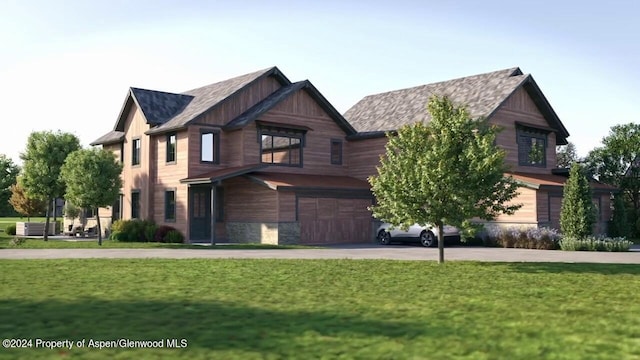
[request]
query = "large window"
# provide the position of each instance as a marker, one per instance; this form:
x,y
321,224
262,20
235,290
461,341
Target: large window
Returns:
x,y
135,152
210,146
281,146
336,152
171,148
135,204
170,205
532,148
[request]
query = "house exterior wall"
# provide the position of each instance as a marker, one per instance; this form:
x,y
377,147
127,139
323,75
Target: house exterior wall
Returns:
x,y
136,177
364,156
520,107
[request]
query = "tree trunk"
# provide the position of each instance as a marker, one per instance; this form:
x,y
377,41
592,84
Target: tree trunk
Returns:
x,y
440,242
46,221
99,230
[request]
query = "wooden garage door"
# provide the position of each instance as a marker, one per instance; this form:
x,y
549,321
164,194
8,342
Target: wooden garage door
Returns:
x,y
334,220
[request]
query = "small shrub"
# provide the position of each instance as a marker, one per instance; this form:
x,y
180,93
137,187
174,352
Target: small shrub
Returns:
x,y
174,236
150,229
526,238
11,229
593,243
118,236
161,233
131,230
118,226
17,241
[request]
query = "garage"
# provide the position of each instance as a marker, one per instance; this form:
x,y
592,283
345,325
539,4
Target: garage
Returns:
x,y
327,220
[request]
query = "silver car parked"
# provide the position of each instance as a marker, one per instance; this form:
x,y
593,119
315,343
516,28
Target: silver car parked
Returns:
x,y
426,235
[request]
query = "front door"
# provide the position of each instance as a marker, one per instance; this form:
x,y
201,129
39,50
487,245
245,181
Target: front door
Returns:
x,y
200,213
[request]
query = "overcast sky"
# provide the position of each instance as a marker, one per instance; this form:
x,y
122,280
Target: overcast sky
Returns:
x,y
68,64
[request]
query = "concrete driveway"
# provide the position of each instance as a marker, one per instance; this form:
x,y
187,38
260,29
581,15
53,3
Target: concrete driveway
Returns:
x,y
362,251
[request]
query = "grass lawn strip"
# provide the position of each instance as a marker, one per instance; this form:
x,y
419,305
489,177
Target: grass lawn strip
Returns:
x,y
368,309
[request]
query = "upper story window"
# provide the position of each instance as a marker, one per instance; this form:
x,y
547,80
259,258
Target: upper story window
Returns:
x,y
210,146
336,152
532,147
171,147
135,152
281,146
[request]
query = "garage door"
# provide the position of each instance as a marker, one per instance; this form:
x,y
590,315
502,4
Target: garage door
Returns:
x,y
334,220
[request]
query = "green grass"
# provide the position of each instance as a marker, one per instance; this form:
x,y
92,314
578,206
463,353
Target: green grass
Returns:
x,y
366,309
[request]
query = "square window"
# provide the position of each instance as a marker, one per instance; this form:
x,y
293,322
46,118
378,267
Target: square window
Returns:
x,y
532,149
281,147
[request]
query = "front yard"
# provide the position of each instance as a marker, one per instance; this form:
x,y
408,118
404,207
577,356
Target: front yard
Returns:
x,y
244,309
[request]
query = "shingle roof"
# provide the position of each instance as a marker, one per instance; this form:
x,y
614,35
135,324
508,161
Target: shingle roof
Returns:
x,y
482,94
157,106
279,181
108,138
221,174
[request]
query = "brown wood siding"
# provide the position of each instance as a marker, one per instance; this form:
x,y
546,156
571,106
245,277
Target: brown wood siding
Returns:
x,y
286,206
555,207
542,198
136,177
246,201
301,110
364,156
527,214
168,177
240,102
520,107
334,220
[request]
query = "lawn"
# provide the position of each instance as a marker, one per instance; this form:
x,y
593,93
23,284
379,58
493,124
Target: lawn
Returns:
x,y
367,309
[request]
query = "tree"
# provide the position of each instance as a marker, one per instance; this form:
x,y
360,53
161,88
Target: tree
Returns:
x,y
566,155
617,163
577,214
8,176
620,221
445,172
24,203
93,180
43,158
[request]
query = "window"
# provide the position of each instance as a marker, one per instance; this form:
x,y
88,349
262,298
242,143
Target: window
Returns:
x,y
281,146
336,152
116,209
532,148
171,148
210,146
122,152
170,205
135,204
89,212
135,152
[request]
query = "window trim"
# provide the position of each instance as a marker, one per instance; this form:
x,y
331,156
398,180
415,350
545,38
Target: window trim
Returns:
x,y
290,133
168,148
339,154
166,205
135,140
138,207
122,152
524,135
216,145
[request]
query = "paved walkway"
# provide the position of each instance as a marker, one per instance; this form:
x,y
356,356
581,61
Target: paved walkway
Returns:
x,y
336,252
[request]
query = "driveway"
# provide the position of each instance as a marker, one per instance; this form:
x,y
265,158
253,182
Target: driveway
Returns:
x,y
362,251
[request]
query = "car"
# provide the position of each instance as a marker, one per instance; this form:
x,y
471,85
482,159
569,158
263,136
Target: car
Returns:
x,y
426,235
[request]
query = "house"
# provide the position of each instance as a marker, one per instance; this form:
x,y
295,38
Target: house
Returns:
x,y
260,158
507,98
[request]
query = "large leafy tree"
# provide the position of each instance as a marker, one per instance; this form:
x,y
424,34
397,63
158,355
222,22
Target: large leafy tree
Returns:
x,y
577,214
42,160
445,172
24,203
617,162
566,155
8,175
93,180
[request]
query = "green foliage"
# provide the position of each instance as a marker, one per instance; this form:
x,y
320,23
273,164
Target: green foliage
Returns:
x,y
11,229
566,155
8,177
71,211
174,236
43,158
25,203
445,172
150,231
161,233
620,223
93,179
591,243
617,163
134,230
577,215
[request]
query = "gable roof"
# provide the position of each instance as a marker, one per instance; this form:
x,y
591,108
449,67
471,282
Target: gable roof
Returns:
x,y
482,94
170,111
281,94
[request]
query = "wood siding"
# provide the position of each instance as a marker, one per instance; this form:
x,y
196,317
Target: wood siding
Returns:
x,y
286,206
246,201
542,199
520,107
527,214
364,156
334,220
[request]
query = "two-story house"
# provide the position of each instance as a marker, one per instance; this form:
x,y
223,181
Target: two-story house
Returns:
x,y
258,158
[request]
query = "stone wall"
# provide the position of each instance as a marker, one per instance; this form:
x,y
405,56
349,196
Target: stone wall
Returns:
x,y
283,233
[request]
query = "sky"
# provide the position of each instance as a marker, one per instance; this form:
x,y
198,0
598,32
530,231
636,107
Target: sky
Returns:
x,y
67,65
